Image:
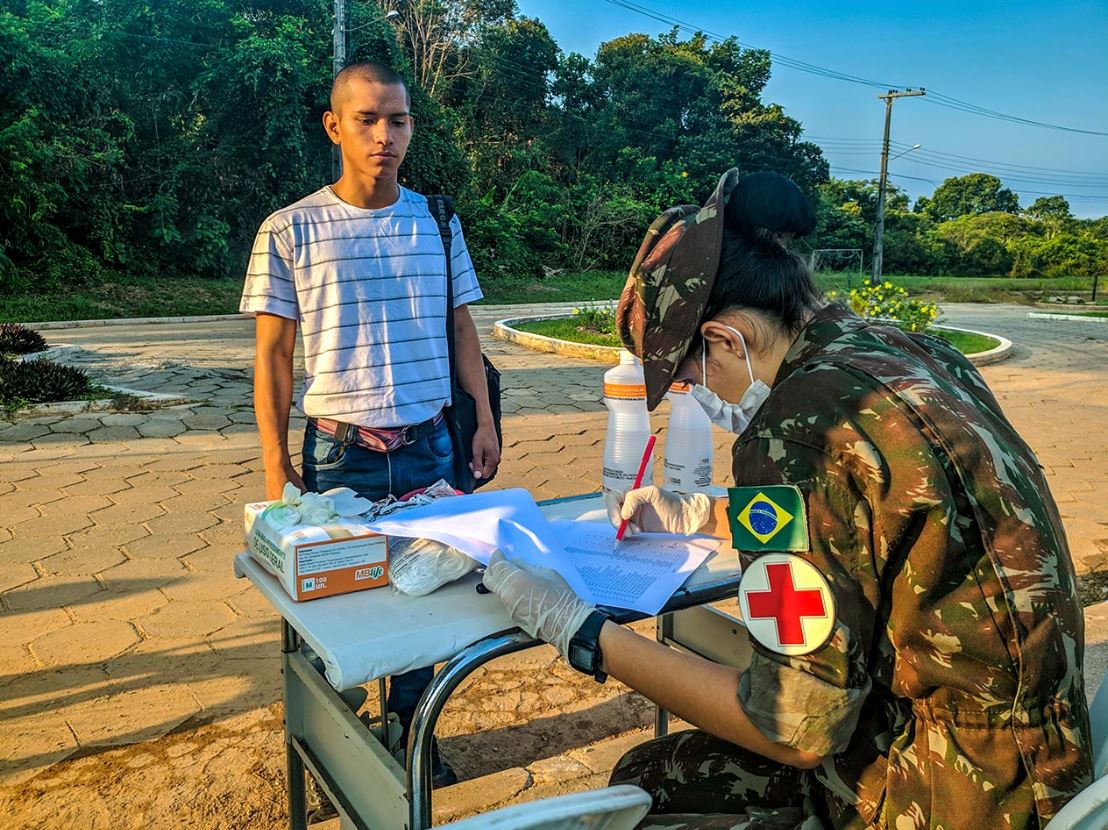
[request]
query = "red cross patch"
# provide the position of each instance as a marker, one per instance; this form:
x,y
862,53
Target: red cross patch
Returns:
x,y
787,604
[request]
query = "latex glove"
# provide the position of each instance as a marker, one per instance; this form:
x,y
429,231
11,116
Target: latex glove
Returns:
x,y
613,503
539,601
314,508
654,510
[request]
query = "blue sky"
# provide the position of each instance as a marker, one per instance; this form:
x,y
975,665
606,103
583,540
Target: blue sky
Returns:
x,y
1041,61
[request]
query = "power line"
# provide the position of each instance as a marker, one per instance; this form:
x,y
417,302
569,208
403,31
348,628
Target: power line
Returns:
x,y
1007,175
1077,196
878,173
938,98
954,103
1023,167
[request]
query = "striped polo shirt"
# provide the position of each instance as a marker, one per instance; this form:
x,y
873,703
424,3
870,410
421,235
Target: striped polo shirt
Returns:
x,y
368,289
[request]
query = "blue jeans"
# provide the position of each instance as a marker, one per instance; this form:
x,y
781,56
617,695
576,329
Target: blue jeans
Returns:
x,y
374,475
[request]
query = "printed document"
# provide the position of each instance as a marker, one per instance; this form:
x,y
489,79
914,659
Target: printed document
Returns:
x,y
640,573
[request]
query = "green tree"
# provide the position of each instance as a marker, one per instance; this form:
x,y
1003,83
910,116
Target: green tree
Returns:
x,y
1049,207
965,195
987,258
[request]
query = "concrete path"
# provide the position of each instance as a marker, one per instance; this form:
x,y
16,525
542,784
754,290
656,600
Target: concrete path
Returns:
x,y
139,682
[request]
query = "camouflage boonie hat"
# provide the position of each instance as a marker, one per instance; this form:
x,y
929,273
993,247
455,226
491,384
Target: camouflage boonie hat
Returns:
x,y
669,285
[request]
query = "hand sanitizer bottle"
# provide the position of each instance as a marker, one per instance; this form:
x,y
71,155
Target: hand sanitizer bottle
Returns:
x,y
688,454
628,425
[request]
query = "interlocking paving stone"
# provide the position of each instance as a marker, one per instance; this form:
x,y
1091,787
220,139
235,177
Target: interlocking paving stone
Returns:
x,y
23,548
16,574
52,592
90,642
82,561
21,627
194,618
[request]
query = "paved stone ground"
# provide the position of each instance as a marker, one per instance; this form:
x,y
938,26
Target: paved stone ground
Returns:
x,y
139,682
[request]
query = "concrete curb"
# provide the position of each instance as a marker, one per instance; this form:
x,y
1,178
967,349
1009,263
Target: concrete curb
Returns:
x,y
220,318
1070,306
133,321
994,355
38,410
158,400
504,330
50,353
1073,318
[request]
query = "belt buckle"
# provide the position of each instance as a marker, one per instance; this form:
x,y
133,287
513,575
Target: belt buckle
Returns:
x,y
406,439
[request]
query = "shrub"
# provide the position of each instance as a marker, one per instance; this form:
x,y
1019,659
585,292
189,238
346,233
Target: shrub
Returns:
x,y
17,339
890,302
595,318
40,381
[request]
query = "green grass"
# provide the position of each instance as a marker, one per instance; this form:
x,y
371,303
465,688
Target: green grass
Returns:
x,y
969,289
189,296
142,296
965,342
125,297
566,287
567,329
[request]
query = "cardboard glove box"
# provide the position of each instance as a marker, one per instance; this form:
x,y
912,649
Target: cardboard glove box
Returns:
x,y
314,561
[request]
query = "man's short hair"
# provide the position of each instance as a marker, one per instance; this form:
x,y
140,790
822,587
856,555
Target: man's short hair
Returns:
x,y
371,71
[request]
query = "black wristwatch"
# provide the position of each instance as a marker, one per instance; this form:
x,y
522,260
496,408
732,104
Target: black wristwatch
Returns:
x,y
584,648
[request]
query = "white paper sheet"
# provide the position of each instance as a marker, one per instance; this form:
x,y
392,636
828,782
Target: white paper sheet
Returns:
x,y
640,573
481,523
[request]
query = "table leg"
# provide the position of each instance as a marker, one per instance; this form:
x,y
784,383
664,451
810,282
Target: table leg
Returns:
x,y
661,714
430,706
298,808
383,696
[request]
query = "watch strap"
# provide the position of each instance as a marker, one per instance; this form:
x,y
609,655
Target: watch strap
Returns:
x,y
587,640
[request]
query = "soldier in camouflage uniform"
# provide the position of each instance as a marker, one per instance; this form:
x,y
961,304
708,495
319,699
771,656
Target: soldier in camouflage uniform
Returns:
x,y
906,580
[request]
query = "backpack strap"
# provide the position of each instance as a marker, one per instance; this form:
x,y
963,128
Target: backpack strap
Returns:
x,y
442,209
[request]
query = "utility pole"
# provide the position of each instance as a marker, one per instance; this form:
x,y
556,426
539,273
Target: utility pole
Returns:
x,y
879,231
338,62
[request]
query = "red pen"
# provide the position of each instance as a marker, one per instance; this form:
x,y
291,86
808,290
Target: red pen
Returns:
x,y
638,481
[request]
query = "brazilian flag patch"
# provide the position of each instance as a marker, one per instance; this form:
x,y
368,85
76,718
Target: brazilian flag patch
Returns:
x,y
768,518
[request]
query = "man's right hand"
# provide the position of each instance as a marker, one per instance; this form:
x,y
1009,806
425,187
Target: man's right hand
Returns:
x,y
277,476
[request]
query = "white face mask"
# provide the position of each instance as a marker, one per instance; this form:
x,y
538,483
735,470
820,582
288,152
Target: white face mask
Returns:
x,y
733,417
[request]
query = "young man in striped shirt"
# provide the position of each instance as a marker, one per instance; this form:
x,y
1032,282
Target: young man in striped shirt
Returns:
x,y
359,266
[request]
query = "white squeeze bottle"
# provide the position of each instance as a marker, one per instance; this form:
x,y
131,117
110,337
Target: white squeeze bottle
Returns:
x,y
688,457
628,425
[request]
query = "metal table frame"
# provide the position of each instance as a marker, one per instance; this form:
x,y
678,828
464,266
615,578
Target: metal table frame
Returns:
x,y
359,775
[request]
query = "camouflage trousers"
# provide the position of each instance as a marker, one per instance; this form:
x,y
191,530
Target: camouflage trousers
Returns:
x,y
699,782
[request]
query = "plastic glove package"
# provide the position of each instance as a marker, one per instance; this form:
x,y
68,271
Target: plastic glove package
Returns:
x,y
419,566
316,544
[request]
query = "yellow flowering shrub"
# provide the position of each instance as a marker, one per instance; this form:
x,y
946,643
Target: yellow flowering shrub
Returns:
x,y
891,303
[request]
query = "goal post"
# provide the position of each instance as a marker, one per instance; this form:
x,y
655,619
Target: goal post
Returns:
x,y
848,261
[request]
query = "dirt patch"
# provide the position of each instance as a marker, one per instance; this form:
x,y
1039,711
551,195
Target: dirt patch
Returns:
x,y
230,774
216,776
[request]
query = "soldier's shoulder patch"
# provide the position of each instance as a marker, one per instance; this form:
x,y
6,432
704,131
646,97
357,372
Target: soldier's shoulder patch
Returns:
x,y
787,604
770,518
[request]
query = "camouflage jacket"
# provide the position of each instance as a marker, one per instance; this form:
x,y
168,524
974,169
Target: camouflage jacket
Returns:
x,y
950,693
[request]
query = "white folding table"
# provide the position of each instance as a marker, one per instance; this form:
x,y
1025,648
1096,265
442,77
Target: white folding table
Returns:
x,y
369,635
